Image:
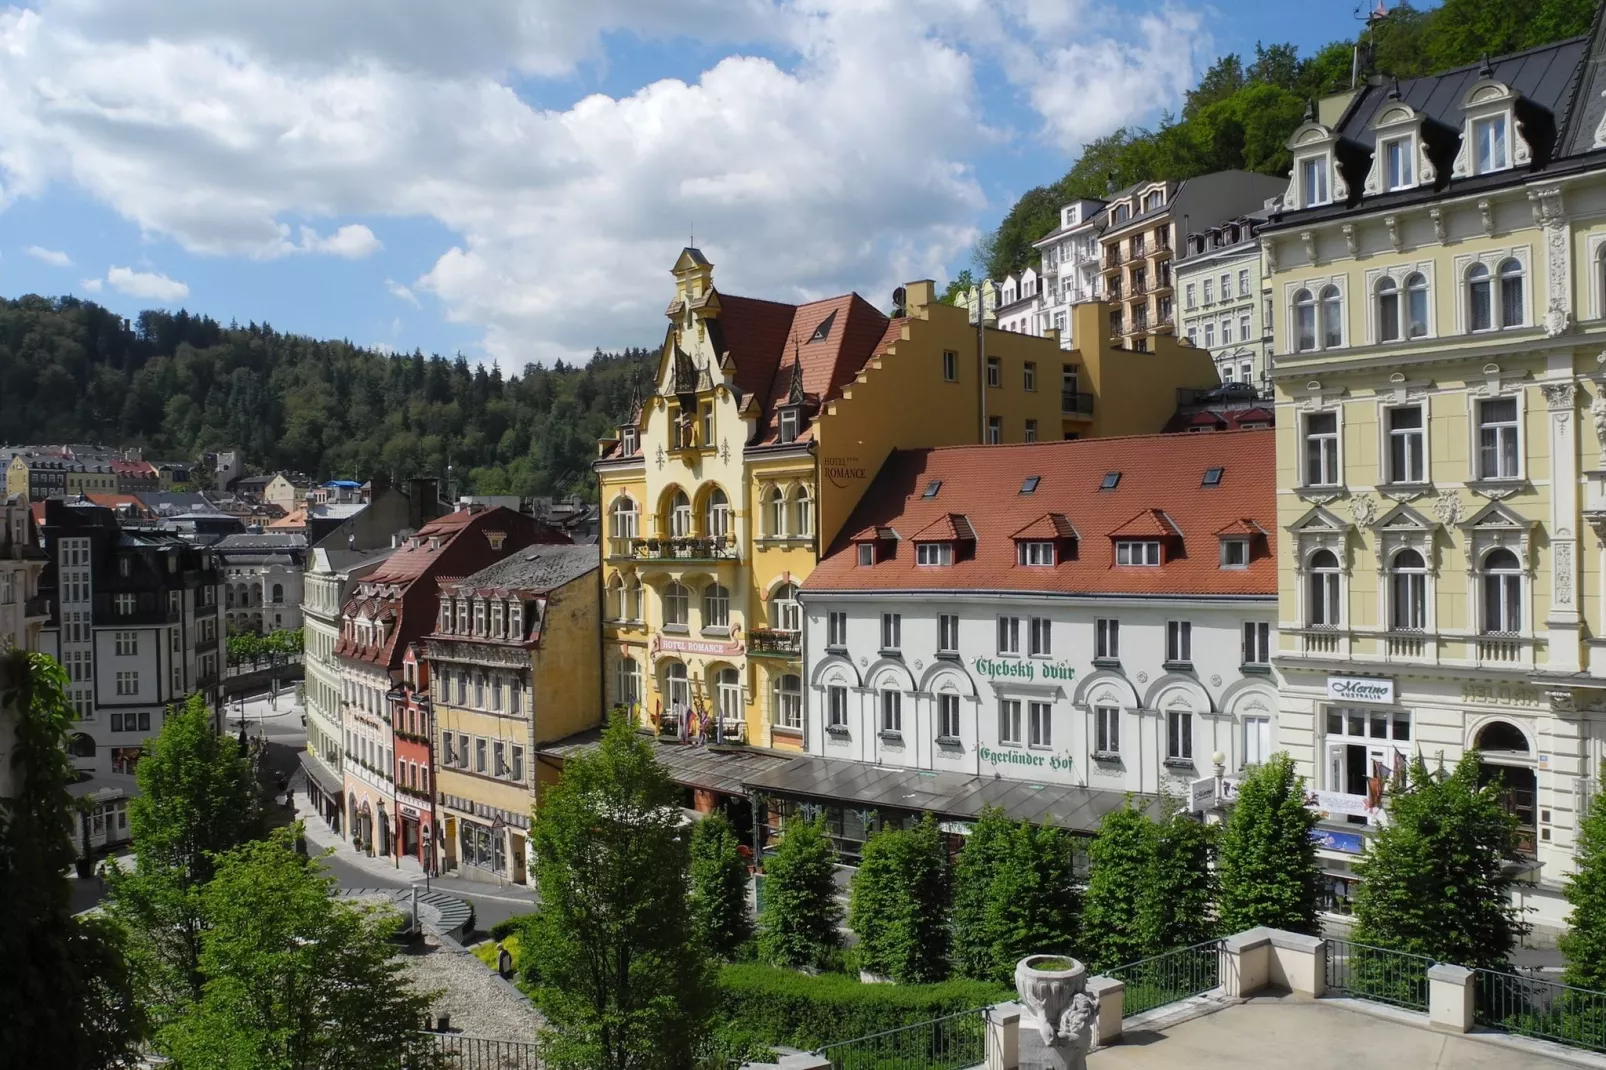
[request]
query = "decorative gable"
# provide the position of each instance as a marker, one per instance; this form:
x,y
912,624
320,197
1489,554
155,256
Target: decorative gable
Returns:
x,y
1401,159
1320,529
1497,524
1491,138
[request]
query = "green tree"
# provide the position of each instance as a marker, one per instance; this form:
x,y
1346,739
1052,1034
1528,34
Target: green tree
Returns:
x,y
959,284
1181,886
1014,895
1584,944
296,977
1121,857
1224,78
720,913
1435,881
800,924
899,903
197,798
1267,861
975,871
624,983
65,987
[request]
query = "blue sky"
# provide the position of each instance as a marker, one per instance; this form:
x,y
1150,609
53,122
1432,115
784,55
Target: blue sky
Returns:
x,y
514,184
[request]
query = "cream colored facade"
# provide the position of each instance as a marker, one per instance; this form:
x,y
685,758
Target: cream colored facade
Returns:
x,y
1441,453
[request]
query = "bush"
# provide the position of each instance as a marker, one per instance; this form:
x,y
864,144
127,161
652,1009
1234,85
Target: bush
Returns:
x,y
900,903
506,928
780,1007
799,924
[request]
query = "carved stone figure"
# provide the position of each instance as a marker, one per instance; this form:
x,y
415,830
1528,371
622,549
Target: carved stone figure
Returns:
x,y
1076,1028
1597,410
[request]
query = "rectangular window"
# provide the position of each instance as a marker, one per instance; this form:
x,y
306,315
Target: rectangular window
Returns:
x,y
1243,287
1257,643
1042,637
127,643
1257,740
1133,552
1029,375
836,629
950,366
1179,642
947,633
1031,430
128,683
1234,553
1039,718
1226,286
1009,726
934,553
1107,639
947,716
891,631
518,762
995,372
1179,735
1210,335
788,425
995,430
837,697
1497,439
1406,462
1489,142
1106,730
866,553
1009,635
1226,332
1188,296
479,755
462,750
1321,449
1397,161
1243,332
1209,292
891,711
125,605
499,759
1034,553
1313,181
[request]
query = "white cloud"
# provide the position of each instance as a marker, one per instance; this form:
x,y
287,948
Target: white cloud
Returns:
x,y
397,290
91,285
844,164
53,257
146,284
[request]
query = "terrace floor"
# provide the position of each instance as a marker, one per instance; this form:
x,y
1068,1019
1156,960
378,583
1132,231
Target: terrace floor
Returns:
x,y
1276,1032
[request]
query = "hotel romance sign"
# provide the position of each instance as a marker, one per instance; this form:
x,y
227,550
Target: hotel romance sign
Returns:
x,y
1023,669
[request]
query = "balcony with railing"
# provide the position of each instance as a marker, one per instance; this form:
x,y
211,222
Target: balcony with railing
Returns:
x,y
685,548
774,643
1112,258
1500,650
1075,403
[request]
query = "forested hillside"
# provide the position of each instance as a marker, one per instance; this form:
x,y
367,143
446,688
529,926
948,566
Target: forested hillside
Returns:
x,y
1240,115
177,384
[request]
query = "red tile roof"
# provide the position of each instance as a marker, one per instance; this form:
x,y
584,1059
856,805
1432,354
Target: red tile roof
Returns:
x,y
1151,524
1160,488
1047,526
949,527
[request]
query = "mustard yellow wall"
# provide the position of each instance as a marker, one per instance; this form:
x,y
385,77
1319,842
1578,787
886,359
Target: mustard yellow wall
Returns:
x,y
17,478
1134,393
566,669
503,795
91,483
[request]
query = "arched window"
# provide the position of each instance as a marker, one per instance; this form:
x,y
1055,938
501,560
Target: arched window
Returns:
x,y
787,615
623,518
1501,736
1502,593
1480,309
677,689
803,513
278,594
1409,592
786,702
775,512
679,515
1511,292
728,696
716,606
615,604
676,604
717,515
1416,305
1304,322
1332,318
633,599
1324,604
628,684
1388,310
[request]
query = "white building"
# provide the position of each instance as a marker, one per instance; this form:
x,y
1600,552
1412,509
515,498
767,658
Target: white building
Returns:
x,y
1018,301
1070,267
1093,617
262,581
1224,306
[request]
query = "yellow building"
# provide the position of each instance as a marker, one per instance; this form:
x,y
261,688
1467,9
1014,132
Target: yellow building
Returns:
x,y
1439,293
764,425
514,663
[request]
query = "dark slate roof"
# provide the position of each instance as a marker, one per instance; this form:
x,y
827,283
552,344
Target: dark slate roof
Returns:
x,y
262,543
538,568
1544,76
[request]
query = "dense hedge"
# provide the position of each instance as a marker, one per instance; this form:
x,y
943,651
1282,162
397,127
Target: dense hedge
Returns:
x,y
797,1010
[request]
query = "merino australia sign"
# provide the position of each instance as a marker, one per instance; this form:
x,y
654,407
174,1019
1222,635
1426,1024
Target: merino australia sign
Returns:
x,y
1360,689
1022,669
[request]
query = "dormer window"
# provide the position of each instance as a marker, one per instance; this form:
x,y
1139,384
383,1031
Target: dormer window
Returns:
x,y
1399,155
934,553
1490,151
1145,552
1034,553
790,419
515,621
866,554
1234,553
1313,188
823,331
627,440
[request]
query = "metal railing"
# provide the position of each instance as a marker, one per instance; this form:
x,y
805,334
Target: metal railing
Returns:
x,y
1361,971
478,1053
953,1042
1535,1007
1167,978
774,641
688,547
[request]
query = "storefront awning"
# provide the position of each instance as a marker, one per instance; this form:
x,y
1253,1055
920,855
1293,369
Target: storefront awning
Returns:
x,y
953,795
712,768
327,780
105,787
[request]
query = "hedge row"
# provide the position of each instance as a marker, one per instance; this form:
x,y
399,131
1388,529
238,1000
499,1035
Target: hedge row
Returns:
x,y
802,1011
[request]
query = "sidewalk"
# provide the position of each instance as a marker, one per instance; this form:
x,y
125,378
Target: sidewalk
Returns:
x,y
321,837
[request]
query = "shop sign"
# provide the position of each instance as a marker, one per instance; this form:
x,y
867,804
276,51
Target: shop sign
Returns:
x,y
1026,758
844,470
1360,689
1349,843
408,811
663,644
1202,793
1338,802
1500,694
1021,669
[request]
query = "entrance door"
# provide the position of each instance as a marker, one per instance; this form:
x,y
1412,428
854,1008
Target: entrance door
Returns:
x,y
449,841
409,832
1518,794
516,844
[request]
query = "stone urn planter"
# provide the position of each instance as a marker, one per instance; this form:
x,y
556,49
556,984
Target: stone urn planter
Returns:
x,y
1057,1013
